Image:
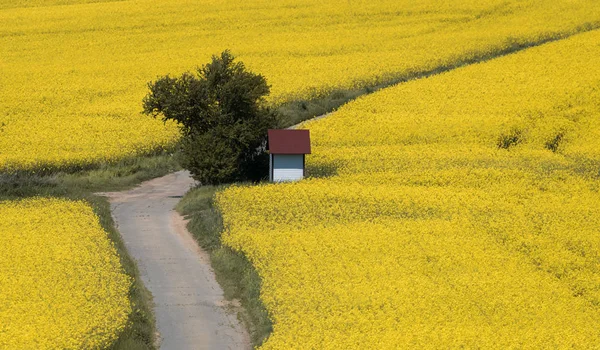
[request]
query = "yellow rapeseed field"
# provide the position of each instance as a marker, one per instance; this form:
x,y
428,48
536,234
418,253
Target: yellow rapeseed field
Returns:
x,y
61,281
73,72
457,211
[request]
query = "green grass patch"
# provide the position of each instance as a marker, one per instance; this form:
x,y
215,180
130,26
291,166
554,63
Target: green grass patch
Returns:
x,y
102,177
233,271
141,332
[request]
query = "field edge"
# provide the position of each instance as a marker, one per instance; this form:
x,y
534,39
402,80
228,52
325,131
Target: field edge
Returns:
x,y
234,272
141,330
299,110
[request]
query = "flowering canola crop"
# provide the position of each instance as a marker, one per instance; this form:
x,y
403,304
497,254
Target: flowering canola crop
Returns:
x,y
456,211
73,72
61,279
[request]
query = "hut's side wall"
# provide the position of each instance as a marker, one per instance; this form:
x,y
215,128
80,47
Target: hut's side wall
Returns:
x,y
288,167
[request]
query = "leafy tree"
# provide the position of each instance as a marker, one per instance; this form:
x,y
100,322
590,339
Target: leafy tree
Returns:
x,y
223,117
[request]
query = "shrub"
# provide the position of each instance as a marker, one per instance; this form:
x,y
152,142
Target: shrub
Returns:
x,y
223,117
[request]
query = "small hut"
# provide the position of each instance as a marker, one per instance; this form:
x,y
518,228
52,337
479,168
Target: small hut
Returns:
x,y
287,151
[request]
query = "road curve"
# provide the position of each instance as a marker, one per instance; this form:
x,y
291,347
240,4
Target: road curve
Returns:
x,y
191,312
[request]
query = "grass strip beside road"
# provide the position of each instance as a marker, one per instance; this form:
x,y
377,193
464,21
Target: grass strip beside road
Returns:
x,y
140,334
236,275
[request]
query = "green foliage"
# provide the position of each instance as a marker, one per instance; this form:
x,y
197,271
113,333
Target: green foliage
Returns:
x,y
555,142
511,139
223,118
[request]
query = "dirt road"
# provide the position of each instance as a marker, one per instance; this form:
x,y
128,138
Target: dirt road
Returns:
x,y
191,312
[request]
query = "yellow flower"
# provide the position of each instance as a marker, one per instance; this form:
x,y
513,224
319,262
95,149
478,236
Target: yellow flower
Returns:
x,y
61,279
461,210
73,72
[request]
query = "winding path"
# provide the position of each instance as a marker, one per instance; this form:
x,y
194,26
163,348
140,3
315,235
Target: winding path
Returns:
x,y
191,312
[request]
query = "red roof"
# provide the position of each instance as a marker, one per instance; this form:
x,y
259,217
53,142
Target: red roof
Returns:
x,y
286,141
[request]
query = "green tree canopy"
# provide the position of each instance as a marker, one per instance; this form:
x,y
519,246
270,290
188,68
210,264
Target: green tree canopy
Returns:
x,y
223,116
